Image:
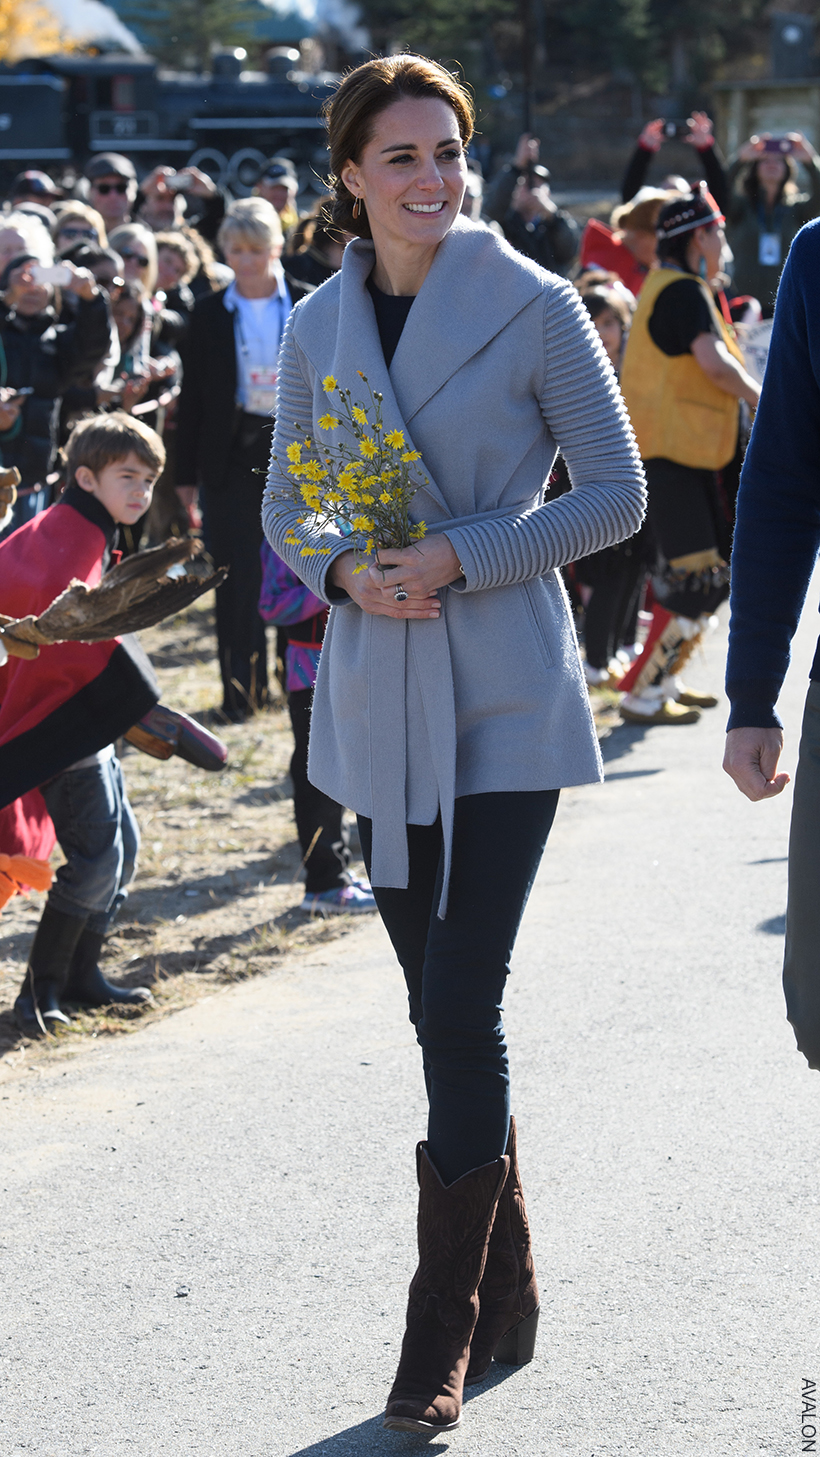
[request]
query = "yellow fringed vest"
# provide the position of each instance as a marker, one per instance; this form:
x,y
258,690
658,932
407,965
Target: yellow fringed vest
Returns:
x,y
676,410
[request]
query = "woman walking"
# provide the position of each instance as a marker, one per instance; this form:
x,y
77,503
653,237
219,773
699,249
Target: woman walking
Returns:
x,y
450,705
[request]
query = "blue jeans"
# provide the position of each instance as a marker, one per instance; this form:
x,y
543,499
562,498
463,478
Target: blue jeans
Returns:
x,y
99,837
456,969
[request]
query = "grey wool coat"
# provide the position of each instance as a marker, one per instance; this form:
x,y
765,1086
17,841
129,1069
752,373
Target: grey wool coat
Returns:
x,y
498,366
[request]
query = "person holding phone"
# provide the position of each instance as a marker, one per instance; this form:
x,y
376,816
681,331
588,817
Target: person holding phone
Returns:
x,y
520,200
766,209
40,358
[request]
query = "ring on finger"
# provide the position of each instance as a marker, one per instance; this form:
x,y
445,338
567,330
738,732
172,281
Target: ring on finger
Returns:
x,y
400,595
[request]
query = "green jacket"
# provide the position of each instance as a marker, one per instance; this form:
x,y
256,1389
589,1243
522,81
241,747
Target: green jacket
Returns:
x,y
745,223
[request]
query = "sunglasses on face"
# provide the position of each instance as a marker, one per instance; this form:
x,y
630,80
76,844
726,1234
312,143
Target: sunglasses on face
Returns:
x,y
134,258
72,232
103,188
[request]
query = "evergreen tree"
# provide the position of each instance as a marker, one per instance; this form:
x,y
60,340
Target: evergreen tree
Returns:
x,y
184,33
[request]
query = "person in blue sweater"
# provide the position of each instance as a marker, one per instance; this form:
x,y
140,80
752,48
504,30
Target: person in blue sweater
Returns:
x,y
777,539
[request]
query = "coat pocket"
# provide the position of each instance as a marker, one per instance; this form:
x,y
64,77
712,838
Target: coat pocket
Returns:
x,y
540,610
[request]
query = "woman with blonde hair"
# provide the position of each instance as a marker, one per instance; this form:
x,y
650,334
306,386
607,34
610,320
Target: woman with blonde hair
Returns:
x,y
450,705
224,429
77,223
137,248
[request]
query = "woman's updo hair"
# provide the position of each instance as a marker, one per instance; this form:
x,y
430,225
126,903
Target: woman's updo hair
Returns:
x,y
366,92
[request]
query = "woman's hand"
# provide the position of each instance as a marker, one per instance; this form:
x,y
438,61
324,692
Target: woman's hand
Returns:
x,y
802,149
420,570
754,148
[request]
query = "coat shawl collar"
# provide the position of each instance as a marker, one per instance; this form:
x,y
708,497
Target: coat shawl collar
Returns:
x,y
458,310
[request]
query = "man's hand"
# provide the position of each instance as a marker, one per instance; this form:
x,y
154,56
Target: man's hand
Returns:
x,y
527,151
201,185
156,183
751,759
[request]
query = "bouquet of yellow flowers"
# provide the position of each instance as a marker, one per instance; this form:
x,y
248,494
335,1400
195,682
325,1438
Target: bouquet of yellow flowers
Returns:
x,y
363,488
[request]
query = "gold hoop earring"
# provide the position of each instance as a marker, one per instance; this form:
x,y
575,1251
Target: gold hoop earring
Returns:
x,y
357,207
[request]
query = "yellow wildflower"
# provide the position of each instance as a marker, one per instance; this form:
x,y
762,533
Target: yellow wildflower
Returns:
x,y
396,439
369,481
359,415
308,551
329,422
294,452
362,523
296,470
334,497
368,546
417,532
385,497
411,455
368,500
388,475
361,567
324,551
314,471
368,447
328,384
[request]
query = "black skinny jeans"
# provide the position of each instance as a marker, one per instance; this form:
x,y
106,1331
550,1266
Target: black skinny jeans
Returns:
x,y
456,969
318,818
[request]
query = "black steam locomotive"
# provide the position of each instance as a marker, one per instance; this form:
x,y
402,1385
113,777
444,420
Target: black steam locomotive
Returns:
x,y
62,109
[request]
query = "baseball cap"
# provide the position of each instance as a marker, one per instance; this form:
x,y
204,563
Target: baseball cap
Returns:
x,y
34,184
278,167
110,164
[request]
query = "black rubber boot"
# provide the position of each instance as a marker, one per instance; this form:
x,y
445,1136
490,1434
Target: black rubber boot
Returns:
x,y
55,942
86,983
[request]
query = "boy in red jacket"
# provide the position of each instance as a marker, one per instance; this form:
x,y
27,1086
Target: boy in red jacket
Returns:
x,y
61,712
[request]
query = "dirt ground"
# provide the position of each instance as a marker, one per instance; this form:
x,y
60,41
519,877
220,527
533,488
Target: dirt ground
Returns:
x,y
218,887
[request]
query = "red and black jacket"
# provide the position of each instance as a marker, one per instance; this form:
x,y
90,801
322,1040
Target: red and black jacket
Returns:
x,y
75,698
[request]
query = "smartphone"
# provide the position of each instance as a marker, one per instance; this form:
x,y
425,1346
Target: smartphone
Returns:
x,y
179,183
782,145
676,129
59,274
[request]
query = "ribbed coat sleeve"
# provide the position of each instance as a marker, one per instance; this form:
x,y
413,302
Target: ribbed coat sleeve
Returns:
x,y
584,410
279,514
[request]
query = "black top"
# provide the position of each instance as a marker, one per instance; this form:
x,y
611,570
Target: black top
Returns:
x,y
391,317
680,314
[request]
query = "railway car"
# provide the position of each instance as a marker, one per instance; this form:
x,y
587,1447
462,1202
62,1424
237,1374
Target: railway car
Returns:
x,y
60,110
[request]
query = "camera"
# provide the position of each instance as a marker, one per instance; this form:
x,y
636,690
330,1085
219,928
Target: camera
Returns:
x,y
675,129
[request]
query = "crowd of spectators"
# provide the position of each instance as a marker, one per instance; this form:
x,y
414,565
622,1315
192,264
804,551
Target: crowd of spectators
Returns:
x,y
124,294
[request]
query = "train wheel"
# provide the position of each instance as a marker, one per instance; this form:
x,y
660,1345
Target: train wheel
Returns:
x,y
211,161
244,169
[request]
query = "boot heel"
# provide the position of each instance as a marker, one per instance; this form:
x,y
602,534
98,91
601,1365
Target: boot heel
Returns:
x,y
517,1347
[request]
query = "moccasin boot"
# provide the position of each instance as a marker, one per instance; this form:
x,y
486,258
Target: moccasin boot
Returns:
x,y
454,1226
508,1293
86,983
55,941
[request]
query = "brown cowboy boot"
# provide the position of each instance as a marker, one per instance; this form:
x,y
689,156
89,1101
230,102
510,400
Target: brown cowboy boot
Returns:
x,y
508,1293
454,1226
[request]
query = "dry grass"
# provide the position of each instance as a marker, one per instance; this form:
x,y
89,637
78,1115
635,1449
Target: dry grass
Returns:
x,y
218,887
